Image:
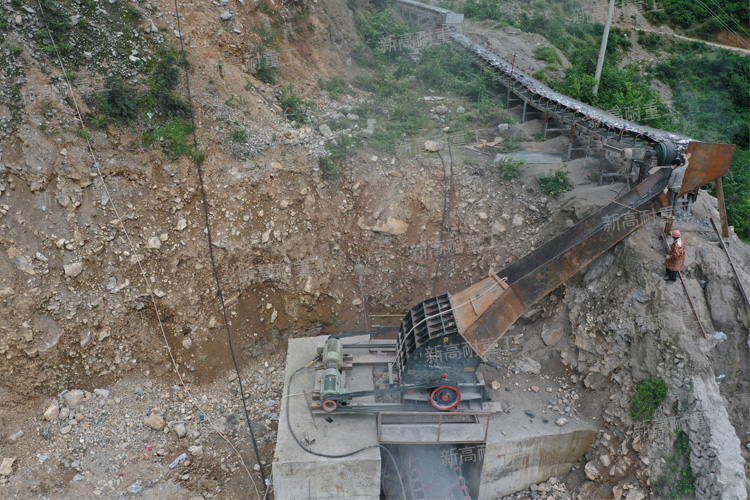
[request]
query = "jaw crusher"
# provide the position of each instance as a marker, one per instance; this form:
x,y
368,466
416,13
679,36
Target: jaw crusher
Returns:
x,y
441,341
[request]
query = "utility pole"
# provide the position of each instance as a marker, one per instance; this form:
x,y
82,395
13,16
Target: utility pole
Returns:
x,y
510,79
600,61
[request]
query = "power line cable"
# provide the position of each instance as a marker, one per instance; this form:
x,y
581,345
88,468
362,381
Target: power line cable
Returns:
x,y
730,18
722,23
96,165
198,162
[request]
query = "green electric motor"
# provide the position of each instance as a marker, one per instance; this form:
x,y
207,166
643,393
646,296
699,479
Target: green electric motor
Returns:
x,y
332,356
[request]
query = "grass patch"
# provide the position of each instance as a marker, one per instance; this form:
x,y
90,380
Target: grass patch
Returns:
x,y
548,54
336,86
678,480
293,104
510,144
328,168
238,135
649,393
172,136
556,182
118,100
508,168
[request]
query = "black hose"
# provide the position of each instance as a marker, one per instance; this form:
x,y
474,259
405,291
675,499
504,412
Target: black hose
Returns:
x,y
326,455
198,162
442,224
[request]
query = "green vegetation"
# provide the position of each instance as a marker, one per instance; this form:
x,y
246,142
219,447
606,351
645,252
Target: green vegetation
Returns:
x,y
548,54
262,52
58,21
649,393
678,479
712,96
238,135
653,42
688,14
509,169
328,168
336,86
510,144
118,100
172,136
556,182
293,104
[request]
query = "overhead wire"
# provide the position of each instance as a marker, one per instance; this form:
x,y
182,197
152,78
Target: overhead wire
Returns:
x,y
730,18
96,165
723,23
198,163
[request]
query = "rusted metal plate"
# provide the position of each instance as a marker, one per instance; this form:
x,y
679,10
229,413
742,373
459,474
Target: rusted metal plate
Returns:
x,y
541,271
708,162
490,311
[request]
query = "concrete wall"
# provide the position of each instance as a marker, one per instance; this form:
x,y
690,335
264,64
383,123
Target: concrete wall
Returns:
x,y
515,464
355,478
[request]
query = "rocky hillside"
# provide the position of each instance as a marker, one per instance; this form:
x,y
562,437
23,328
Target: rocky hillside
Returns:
x,y
99,223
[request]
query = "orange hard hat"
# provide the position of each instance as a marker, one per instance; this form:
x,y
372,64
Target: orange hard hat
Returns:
x,y
676,233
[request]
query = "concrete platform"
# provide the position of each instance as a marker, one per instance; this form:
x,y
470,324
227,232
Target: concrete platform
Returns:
x,y
521,452
533,157
298,475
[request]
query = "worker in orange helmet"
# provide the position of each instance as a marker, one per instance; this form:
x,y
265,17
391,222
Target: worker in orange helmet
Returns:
x,y
676,257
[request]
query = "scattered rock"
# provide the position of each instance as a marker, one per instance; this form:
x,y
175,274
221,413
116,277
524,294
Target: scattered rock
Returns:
x,y
498,228
102,393
432,146
74,269
325,130
73,398
154,421
495,385
181,224
528,365
154,243
591,470
391,226
226,16
6,468
534,388
180,430
529,413
560,422
14,437
52,413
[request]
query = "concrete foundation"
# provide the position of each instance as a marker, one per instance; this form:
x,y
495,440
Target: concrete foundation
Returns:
x,y
298,475
522,451
519,451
